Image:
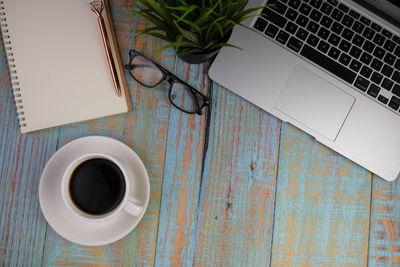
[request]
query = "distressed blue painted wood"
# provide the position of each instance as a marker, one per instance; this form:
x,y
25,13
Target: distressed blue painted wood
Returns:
x,y
22,158
384,245
182,176
234,222
322,205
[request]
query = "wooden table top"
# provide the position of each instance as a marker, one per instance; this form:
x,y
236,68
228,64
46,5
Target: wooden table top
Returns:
x,y
234,187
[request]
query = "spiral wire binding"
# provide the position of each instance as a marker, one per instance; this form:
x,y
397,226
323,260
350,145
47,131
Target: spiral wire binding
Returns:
x,y
11,64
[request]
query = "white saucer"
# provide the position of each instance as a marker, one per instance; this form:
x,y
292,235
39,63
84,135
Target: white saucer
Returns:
x,y
69,225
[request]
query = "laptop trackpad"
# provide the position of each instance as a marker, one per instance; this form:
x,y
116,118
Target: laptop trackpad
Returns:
x,y
314,102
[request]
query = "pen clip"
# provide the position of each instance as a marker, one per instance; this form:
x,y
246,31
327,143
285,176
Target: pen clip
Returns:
x,y
97,7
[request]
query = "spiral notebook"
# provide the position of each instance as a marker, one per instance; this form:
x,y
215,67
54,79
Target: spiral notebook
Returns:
x,y
59,71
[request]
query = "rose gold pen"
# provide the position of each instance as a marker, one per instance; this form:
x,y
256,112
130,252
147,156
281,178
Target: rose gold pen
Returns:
x,y
97,7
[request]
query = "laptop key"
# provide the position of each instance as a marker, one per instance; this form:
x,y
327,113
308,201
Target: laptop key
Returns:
x,y
328,64
394,103
316,3
277,6
326,8
397,51
387,71
361,83
334,53
364,20
294,3
291,14
376,64
389,45
383,99
347,34
344,8
354,14
326,21
368,33
355,65
387,84
337,28
302,20
396,76
323,33
337,14
379,39
358,40
312,40
312,27
376,77
302,34
291,27
366,58
305,9
355,52
366,72
274,17
373,90
397,65
271,30
396,39
344,46
294,44
282,37
368,46
358,27
334,39
260,24
347,21
333,2
387,33
379,52
396,90
376,27
323,47
315,15
344,59
389,59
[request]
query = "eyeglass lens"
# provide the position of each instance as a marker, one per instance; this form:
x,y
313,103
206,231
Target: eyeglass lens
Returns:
x,y
145,71
183,97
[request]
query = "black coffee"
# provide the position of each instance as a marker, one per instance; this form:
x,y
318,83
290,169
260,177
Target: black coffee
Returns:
x,y
97,186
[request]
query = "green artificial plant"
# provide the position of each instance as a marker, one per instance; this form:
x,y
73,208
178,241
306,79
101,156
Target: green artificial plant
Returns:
x,y
193,27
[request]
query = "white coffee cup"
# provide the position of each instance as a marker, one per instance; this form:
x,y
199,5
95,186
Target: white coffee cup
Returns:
x,y
128,204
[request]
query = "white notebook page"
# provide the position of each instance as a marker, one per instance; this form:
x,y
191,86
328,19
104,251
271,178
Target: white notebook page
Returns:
x,y
60,61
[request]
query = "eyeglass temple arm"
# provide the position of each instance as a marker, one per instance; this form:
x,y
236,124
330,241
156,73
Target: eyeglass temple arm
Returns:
x,y
132,66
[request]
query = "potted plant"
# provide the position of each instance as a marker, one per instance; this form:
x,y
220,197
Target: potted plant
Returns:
x,y
197,30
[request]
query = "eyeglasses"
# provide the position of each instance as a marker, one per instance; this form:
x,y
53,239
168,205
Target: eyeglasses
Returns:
x,y
148,73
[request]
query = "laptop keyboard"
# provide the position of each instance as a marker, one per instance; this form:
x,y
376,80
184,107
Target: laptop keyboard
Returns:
x,y
339,40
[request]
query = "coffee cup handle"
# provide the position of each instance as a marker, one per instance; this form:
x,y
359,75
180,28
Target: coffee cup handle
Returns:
x,y
133,206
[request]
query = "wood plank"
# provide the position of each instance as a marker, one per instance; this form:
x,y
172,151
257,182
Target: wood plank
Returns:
x,y
182,175
22,158
145,130
384,245
322,205
234,222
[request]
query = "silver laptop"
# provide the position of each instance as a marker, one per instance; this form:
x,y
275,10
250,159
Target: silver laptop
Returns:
x,y
329,67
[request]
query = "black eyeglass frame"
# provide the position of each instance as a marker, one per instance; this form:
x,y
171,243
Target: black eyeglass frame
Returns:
x,y
171,79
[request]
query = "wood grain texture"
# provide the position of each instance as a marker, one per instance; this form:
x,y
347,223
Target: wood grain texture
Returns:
x,y
384,245
145,130
182,175
322,205
234,222
22,158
